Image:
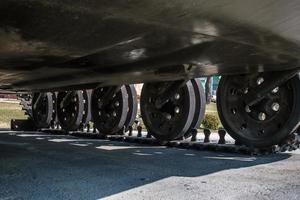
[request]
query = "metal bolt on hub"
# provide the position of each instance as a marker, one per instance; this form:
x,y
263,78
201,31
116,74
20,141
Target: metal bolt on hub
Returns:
x,y
262,116
247,109
177,96
260,80
275,106
275,90
168,116
177,110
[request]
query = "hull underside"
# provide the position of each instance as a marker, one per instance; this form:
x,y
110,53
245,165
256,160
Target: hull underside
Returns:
x,y
64,44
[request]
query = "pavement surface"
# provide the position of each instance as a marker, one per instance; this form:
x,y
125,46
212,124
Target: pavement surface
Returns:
x,y
42,166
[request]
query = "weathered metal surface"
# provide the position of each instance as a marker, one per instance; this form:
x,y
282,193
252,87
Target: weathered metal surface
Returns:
x,y
46,44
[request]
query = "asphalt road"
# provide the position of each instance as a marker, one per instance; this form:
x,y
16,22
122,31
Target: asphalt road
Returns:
x,y
41,166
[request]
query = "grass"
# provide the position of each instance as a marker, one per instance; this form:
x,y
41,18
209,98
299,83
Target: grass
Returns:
x,y
10,111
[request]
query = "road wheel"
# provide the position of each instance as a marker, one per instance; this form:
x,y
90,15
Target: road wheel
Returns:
x,y
43,109
174,118
109,115
267,122
70,109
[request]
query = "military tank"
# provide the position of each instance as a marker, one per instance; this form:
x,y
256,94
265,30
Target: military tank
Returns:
x,y
80,59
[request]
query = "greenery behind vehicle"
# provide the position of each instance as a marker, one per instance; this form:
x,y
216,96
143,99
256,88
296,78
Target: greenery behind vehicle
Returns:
x,y
10,111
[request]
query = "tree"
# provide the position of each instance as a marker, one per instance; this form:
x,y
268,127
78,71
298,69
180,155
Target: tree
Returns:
x,y
208,89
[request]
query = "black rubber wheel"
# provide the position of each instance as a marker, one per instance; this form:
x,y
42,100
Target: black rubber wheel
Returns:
x,y
42,109
70,112
132,106
174,118
109,119
268,122
200,106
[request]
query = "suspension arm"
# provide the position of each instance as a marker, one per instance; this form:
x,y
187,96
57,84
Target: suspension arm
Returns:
x,y
269,83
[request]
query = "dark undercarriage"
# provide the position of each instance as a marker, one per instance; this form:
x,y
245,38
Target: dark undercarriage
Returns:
x,y
83,44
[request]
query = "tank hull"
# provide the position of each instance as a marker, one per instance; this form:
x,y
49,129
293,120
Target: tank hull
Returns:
x,y
64,44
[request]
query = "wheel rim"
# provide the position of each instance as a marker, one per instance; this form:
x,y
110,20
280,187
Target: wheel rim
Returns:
x,y
174,118
265,123
132,105
43,111
70,114
200,105
110,118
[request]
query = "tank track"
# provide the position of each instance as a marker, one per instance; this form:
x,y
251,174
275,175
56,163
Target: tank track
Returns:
x,y
291,144
137,136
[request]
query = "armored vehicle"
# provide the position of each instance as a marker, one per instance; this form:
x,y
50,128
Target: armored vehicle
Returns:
x,y
80,59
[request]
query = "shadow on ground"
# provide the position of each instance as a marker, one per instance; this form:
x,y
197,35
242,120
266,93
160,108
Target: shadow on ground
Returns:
x,y
42,166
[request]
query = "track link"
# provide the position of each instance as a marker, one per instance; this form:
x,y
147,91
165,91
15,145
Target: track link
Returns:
x,y
292,143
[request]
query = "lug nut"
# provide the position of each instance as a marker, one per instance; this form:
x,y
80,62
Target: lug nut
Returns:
x,y
117,103
99,113
247,109
176,110
262,116
275,90
177,96
246,90
114,114
275,106
260,80
168,116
